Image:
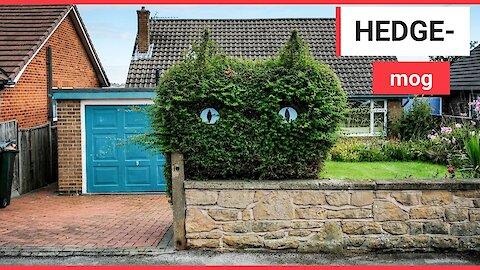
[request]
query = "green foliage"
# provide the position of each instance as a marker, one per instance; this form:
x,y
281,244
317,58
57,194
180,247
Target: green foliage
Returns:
x,y
250,140
472,147
415,123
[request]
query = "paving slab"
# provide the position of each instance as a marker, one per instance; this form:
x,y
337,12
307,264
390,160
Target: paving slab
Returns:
x,y
44,219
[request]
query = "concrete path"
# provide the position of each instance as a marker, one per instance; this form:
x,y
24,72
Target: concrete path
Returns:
x,y
254,258
45,219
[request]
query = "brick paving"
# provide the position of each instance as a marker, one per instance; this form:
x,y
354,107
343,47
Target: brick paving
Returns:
x,y
45,219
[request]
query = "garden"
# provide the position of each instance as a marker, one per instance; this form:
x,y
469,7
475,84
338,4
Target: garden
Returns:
x,y
416,145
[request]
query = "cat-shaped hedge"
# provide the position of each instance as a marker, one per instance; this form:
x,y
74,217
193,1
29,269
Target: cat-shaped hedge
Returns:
x,y
250,139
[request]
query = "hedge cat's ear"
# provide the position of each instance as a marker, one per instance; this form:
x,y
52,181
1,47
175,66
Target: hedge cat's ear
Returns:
x,y
295,51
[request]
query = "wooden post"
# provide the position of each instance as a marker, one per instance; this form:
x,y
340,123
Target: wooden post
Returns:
x,y
178,198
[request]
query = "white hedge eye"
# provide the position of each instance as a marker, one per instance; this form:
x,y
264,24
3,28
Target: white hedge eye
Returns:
x,y
288,114
209,116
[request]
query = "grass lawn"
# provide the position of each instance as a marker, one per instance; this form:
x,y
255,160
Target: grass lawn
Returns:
x,y
382,170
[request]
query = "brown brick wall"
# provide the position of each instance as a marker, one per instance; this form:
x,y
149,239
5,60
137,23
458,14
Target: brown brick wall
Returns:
x,y
27,101
395,109
69,146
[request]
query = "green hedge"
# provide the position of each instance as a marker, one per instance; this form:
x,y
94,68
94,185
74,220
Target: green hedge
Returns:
x,y
250,140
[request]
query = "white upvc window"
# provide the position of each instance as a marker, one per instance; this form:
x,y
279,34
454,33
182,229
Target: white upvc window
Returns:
x,y
366,117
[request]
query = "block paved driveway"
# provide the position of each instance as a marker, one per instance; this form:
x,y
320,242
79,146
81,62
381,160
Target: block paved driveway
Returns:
x,y
45,219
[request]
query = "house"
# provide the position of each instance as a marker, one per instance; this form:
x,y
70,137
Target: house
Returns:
x,y
96,119
42,48
464,85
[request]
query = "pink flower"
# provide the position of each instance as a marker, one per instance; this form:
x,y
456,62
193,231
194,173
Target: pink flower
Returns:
x,y
457,125
432,136
451,169
446,130
473,123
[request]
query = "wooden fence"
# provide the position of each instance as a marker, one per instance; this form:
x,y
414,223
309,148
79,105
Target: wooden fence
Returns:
x,y
36,164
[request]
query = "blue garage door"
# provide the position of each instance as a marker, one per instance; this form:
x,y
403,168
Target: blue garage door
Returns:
x,y
115,164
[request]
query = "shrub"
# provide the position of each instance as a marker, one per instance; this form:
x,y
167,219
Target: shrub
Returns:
x,y
415,123
472,147
250,140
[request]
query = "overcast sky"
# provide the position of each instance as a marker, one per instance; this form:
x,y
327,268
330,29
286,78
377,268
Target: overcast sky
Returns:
x,y
112,28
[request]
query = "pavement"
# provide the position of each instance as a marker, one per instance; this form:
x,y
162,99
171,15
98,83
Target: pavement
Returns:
x,y
253,258
45,220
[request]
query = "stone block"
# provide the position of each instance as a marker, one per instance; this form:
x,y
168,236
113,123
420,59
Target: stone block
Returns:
x,y
203,243
415,227
274,235
238,227
436,227
299,233
311,213
328,240
408,198
269,226
456,214
309,198
474,214
465,229
196,221
388,211
356,213
235,198
445,242
287,243
204,235
243,241
306,224
361,198
277,205
427,212
201,197
338,198
361,227
436,197
223,214
396,227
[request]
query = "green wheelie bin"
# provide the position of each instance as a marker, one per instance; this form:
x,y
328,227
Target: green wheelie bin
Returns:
x,y
8,152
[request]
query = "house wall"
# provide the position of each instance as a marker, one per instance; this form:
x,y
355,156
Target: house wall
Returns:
x,y
333,216
69,146
456,104
395,109
27,101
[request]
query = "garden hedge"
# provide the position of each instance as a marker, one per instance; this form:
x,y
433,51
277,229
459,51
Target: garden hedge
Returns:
x,y
250,140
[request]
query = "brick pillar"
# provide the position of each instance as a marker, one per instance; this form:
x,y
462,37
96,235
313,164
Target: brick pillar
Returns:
x,y
395,109
143,34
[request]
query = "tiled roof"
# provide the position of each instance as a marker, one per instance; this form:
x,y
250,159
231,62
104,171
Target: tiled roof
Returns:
x,y
465,72
25,28
253,38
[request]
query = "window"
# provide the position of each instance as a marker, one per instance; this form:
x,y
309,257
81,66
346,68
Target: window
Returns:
x,y
54,109
365,117
435,102
471,107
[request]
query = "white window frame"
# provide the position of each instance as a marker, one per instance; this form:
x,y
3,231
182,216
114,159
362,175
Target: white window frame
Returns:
x,y
373,110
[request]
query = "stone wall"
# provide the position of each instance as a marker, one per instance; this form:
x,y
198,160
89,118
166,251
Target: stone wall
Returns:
x,y
334,216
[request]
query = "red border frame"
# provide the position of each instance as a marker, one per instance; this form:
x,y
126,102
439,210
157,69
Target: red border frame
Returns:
x,y
232,2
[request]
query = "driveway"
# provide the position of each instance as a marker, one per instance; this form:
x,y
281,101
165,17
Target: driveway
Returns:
x,y
45,219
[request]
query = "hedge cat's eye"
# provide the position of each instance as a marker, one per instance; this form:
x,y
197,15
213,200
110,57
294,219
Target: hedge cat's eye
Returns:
x,y
288,114
209,116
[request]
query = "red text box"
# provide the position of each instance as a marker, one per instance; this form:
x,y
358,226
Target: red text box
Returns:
x,y
411,78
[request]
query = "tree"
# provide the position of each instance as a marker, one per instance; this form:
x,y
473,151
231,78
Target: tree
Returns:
x,y
451,59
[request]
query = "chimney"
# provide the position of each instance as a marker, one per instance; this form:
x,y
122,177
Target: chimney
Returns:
x,y
143,34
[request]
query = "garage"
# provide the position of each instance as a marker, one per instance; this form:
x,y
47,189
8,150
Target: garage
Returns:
x,y
96,150
114,162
